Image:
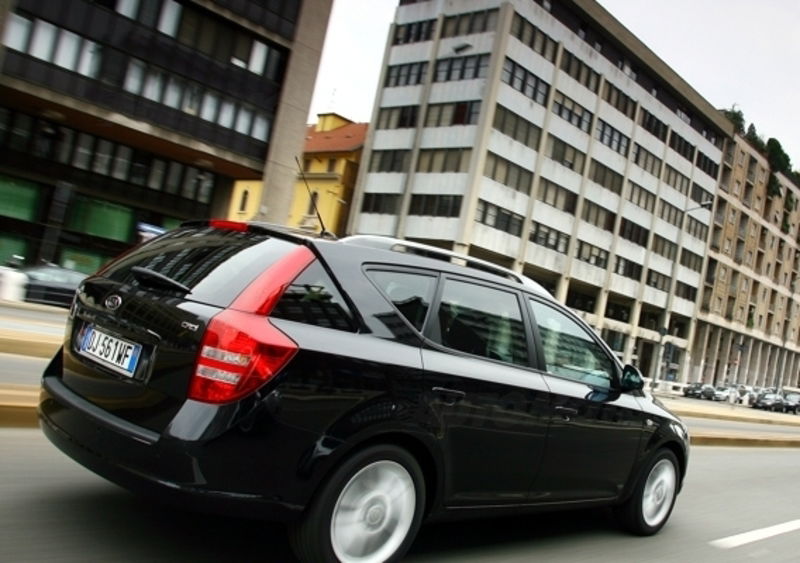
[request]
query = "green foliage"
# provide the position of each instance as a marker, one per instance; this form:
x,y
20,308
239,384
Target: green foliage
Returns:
x,y
755,139
736,117
773,186
779,161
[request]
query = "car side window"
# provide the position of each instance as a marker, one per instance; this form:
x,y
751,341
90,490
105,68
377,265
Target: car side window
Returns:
x,y
313,298
569,349
411,293
483,321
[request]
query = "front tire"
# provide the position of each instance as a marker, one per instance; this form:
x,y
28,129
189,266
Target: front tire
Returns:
x,y
650,504
368,511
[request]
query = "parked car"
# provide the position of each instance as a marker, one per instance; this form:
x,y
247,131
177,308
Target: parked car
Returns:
x,y
47,284
693,390
350,388
719,393
791,402
769,402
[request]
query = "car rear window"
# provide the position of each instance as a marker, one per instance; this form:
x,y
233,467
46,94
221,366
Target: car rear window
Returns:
x,y
215,264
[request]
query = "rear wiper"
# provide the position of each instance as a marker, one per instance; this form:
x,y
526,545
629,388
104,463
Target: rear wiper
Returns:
x,y
151,278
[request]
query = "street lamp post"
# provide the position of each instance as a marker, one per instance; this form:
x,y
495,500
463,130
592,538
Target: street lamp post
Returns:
x,y
672,283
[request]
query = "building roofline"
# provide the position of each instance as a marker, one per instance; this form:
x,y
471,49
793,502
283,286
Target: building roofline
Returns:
x,y
644,55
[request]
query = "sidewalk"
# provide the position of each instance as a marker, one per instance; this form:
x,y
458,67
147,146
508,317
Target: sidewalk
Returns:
x,y
18,402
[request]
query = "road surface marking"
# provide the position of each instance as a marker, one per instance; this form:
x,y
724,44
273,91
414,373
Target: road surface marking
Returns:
x,y
749,537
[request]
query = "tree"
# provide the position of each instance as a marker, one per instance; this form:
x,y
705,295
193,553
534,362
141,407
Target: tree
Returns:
x,y
755,139
736,117
778,159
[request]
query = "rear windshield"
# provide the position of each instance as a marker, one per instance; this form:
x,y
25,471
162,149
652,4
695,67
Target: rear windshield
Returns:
x,y
216,264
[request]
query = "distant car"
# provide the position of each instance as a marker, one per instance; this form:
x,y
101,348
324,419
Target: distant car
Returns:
x,y
693,390
719,393
50,284
791,402
769,402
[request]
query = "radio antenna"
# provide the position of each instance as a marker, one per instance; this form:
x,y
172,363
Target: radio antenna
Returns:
x,y
324,233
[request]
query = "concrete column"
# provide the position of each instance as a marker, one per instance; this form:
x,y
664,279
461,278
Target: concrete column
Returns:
x,y
744,362
709,376
723,375
701,351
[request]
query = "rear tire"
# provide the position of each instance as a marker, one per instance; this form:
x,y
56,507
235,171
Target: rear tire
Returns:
x,y
368,511
650,504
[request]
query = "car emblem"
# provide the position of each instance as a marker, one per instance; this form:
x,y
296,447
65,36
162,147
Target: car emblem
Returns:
x,y
113,302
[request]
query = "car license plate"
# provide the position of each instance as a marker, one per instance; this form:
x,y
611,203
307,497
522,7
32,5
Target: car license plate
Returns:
x,y
116,353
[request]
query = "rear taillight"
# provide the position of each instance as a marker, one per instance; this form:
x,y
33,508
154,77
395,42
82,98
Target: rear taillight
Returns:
x,y
240,352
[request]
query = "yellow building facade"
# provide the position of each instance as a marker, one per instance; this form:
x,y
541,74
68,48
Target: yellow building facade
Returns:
x,y
330,166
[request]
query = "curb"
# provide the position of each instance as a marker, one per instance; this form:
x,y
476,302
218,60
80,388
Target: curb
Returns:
x,y
18,410
40,346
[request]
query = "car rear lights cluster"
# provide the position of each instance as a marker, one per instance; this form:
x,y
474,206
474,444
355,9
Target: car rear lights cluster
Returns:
x,y
240,352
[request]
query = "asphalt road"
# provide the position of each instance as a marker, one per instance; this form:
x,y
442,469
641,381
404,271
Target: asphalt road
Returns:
x,y
55,510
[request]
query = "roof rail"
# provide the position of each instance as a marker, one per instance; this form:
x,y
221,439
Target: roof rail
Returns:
x,y
419,249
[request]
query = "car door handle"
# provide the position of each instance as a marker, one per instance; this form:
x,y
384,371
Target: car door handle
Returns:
x,y
449,396
566,412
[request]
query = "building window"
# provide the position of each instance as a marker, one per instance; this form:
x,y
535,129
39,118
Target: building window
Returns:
x,y
453,113
592,254
657,280
461,68
646,160
499,218
557,196
691,260
469,23
571,111
383,204
664,247
501,170
707,165
669,213
642,197
675,179
398,118
444,160
533,37
619,100
435,205
409,74
612,138
651,123
681,146
688,292
564,154
414,32
389,161
580,71
549,237
522,80
603,175
633,232
598,216
701,195
696,228
629,269
517,127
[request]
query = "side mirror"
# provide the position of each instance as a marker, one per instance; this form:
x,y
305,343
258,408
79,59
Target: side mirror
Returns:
x,y
632,379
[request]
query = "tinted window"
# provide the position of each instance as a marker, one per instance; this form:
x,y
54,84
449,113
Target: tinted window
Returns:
x,y
216,264
312,298
569,349
410,293
482,321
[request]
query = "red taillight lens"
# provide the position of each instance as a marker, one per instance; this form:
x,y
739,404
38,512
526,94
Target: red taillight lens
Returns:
x,y
229,225
240,352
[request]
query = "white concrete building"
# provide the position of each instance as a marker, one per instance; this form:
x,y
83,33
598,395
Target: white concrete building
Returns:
x,y
544,136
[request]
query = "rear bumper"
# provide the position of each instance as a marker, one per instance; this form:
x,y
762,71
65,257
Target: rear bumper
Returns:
x,y
233,474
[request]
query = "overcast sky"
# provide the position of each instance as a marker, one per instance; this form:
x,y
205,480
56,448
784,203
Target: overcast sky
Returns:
x,y
741,52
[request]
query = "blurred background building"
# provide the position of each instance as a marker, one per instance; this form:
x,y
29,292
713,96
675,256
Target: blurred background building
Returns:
x,y
121,117
543,136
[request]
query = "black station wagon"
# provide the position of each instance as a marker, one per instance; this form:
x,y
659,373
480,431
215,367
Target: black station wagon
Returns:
x,y
352,389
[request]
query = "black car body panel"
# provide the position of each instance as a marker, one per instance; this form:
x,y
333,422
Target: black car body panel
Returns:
x,y
492,430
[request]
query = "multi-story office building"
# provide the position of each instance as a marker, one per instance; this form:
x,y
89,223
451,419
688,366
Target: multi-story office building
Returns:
x,y
542,135
117,114
749,316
